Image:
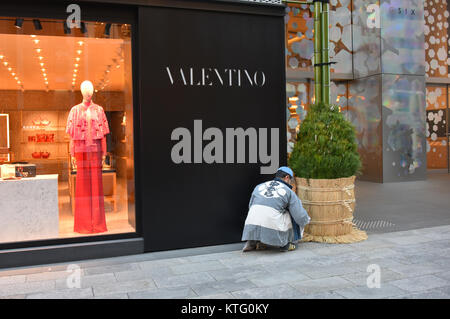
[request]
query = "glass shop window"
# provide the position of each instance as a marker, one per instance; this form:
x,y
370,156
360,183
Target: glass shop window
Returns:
x,y
66,130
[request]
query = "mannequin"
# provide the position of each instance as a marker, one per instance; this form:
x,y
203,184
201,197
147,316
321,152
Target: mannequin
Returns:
x,y
87,126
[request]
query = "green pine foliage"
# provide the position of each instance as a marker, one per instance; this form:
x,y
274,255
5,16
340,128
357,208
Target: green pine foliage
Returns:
x,y
326,145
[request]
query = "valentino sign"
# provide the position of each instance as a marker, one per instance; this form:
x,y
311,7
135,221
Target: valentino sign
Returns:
x,y
216,77
220,146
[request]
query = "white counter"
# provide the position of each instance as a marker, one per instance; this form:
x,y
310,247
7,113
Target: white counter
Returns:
x,y
29,208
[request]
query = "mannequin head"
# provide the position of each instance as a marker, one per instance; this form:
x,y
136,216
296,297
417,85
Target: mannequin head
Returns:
x,y
87,89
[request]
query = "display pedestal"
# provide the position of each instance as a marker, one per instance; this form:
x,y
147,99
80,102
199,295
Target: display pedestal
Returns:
x,y
29,209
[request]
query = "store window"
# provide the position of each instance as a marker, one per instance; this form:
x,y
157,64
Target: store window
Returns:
x,y
66,130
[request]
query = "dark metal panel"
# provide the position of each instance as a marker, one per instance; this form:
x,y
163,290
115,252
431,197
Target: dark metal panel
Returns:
x,y
192,205
70,252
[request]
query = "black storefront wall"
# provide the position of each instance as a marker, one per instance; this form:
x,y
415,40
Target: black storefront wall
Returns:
x,y
187,204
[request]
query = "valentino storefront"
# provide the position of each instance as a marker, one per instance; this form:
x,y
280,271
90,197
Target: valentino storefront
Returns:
x,y
135,126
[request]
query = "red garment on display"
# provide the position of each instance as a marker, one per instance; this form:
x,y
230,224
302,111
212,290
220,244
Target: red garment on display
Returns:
x,y
89,199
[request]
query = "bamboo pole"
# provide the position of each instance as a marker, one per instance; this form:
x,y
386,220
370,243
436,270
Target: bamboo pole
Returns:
x,y
317,53
325,53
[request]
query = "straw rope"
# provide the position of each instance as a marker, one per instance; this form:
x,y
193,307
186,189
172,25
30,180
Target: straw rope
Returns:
x,y
343,189
345,221
344,202
337,229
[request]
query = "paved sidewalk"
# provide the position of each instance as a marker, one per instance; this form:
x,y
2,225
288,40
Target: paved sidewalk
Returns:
x,y
414,264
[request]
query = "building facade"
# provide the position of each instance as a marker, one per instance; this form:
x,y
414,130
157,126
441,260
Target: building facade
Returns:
x,y
390,79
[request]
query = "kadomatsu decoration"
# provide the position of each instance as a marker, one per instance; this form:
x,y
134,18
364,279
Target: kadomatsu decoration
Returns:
x,y
325,161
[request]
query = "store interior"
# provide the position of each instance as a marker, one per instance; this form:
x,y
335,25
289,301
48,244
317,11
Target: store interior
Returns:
x,y
42,65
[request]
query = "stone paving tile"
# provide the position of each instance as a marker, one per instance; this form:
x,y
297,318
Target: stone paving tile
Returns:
x,y
415,270
74,293
281,277
276,292
26,288
110,269
50,275
436,293
89,281
373,243
334,250
420,283
239,272
23,296
409,240
222,286
360,278
25,271
444,275
218,296
363,292
123,287
183,280
112,296
12,279
151,264
131,275
325,295
214,256
315,286
197,267
335,270
164,293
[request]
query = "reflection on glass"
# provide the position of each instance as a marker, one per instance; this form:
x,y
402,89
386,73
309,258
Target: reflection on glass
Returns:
x,y
365,114
404,132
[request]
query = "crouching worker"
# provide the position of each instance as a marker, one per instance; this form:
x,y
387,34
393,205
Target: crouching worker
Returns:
x,y
276,216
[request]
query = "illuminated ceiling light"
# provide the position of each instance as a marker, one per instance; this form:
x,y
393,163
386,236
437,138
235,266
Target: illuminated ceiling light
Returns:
x,y
75,70
37,24
18,82
83,28
9,69
40,57
96,90
33,36
18,24
76,65
78,59
43,70
45,79
108,29
36,41
42,63
1,57
5,63
80,43
79,51
16,78
38,50
13,74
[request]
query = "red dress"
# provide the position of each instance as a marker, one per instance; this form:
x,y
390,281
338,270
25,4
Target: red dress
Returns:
x,y
87,127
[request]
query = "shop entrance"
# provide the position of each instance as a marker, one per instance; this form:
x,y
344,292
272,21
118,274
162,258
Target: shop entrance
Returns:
x,y
437,128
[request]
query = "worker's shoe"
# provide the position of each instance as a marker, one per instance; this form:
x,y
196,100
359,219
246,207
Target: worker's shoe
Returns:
x,y
249,246
289,247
